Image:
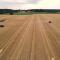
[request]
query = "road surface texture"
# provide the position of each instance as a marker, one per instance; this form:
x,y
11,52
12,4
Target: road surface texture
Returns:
x,y
30,37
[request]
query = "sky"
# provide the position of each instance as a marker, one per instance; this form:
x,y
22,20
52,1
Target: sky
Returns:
x,y
30,4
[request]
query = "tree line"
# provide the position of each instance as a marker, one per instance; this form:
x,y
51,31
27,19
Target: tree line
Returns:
x,y
10,11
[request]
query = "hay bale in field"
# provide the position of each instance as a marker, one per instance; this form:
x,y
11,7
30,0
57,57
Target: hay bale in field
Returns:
x,y
50,21
1,25
2,20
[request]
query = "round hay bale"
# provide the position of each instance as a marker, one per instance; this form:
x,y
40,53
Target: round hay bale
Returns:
x,y
2,20
1,25
50,22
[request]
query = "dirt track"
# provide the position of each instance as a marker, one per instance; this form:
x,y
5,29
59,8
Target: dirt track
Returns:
x,y
30,37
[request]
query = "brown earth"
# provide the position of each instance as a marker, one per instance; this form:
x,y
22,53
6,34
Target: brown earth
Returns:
x,y
30,37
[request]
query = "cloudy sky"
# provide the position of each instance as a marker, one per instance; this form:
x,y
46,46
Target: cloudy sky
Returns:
x,y
30,4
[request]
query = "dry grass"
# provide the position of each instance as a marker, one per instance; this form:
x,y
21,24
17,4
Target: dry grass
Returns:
x,y
30,37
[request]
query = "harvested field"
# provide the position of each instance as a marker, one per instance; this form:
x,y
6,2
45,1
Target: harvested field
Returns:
x,y
30,37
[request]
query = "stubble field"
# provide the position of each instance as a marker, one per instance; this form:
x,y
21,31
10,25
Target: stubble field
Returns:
x,y
30,37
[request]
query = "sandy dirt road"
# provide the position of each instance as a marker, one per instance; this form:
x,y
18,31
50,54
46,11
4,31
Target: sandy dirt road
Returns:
x,y
30,37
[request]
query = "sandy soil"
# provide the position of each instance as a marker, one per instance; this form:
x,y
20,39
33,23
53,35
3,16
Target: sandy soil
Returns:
x,y
30,37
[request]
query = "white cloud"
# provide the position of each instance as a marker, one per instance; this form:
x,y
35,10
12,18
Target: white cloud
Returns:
x,y
49,4
27,4
20,1
7,0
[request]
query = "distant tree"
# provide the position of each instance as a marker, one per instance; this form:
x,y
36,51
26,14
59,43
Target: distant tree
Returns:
x,y
11,13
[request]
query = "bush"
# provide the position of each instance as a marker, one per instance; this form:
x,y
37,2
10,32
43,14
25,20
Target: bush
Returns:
x,y
11,13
